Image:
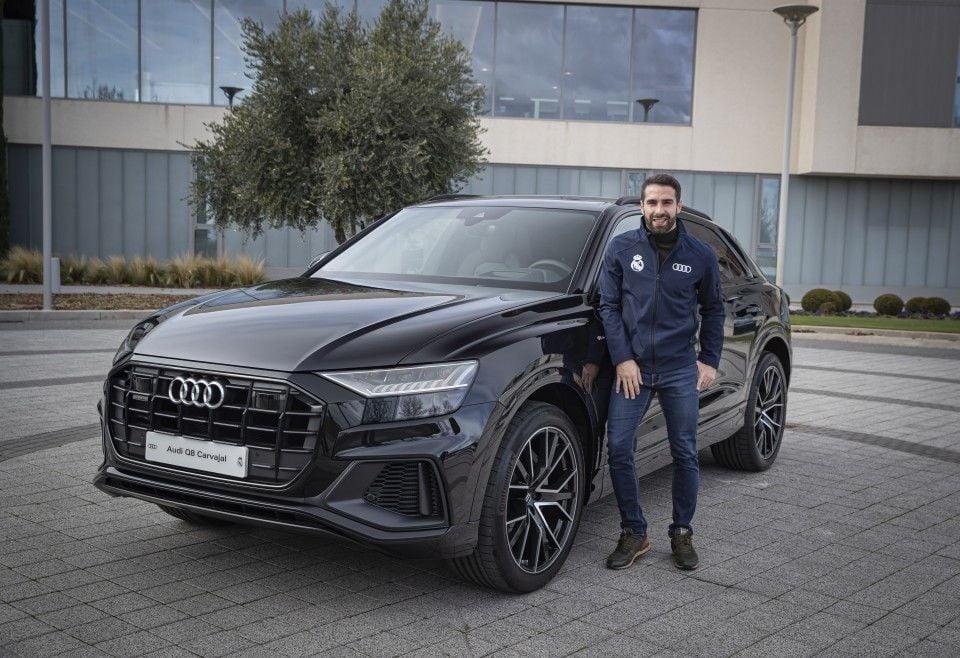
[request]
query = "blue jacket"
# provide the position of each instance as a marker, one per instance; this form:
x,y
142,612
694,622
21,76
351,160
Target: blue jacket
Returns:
x,y
649,312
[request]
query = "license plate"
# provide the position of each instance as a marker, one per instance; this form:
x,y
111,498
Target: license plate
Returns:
x,y
200,455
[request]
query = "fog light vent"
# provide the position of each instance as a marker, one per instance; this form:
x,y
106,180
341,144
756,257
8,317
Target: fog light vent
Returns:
x,y
407,488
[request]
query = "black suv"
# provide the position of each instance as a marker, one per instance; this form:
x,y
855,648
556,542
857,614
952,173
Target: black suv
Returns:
x,y
436,386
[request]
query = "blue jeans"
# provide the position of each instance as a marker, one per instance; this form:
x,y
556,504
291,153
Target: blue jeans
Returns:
x,y
680,401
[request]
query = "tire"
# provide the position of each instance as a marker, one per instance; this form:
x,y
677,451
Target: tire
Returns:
x,y
756,445
509,557
193,517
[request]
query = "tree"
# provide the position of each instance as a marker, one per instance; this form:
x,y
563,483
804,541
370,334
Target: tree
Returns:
x,y
343,123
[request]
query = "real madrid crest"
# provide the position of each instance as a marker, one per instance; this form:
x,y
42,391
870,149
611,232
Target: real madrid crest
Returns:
x,y
637,264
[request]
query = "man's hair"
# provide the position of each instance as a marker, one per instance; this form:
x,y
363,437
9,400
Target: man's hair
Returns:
x,y
660,179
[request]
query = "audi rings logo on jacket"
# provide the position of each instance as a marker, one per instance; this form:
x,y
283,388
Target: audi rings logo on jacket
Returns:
x,y
679,267
198,392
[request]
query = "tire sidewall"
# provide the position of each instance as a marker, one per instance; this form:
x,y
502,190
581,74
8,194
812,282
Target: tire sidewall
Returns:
x,y
766,361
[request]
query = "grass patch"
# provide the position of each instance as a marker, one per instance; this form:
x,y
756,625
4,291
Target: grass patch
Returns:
x,y
88,301
876,322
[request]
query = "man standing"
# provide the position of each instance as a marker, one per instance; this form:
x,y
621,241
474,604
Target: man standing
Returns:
x,y
651,282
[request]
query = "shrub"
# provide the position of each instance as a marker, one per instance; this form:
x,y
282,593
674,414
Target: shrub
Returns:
x,y
23,266
182,272
936,306
844,301
888,304
73,269
916,304
246,271
815,298
144,272
828,308
116,270
97,272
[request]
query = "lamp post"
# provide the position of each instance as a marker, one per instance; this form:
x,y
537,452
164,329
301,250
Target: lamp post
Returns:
x,y
46,159
793,16
230,92
648,104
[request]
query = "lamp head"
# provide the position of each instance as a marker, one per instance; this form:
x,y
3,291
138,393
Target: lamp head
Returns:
x,y
795,15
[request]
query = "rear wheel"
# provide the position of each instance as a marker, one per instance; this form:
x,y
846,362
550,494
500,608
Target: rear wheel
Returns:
x,y
193,517
532,505
756,445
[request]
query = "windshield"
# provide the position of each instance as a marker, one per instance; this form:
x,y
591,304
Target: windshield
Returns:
x,y
529,248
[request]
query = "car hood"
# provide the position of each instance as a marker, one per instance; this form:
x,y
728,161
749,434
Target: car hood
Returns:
x,y
305,324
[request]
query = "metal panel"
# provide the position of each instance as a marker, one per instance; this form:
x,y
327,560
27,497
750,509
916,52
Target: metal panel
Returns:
x,y
724,206
526,180
157,206
547,179
568,181
895,260
298,249
814,221
796,228
938,249
181,173
919,220
744,209
953,258
834,228
875,242
18,182
111,203
610,184
855,229
64,201
89,242
134,198
503,179
591,182
274,247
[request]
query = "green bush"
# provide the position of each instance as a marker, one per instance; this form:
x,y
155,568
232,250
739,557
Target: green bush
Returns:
x,y
73,269
815,298
916,305
844,301
936,306
828,308
888,304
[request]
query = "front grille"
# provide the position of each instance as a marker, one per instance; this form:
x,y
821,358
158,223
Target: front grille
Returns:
x,y
279,424
408,488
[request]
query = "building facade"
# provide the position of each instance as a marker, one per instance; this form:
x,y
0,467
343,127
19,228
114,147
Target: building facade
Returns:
x,y
581,98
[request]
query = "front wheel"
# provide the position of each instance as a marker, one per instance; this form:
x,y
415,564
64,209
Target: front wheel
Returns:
x,y
756,445
533,503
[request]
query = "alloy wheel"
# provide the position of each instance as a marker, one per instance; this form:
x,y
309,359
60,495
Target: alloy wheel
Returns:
x,y
542,499
768,415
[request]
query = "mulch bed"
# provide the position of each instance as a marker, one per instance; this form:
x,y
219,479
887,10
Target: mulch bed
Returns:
x,y
87,301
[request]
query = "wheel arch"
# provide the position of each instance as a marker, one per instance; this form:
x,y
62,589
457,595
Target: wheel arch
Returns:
x,y
778,347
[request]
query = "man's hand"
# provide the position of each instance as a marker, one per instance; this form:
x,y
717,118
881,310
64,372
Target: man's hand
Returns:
x,y
705,375
628,379
589,375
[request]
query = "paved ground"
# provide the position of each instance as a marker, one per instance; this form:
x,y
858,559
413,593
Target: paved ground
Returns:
x,y
850,545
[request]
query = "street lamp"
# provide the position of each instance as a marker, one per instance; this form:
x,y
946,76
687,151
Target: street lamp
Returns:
x,y
230,92
648,104
794,16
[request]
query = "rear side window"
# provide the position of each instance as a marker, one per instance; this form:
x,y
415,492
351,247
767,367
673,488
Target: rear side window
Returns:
x,y
731,267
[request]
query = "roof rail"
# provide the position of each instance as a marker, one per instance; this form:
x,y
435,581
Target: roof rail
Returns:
x,y
629,201
450,197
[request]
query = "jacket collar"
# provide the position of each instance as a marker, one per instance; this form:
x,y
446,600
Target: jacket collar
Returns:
x,y
681,229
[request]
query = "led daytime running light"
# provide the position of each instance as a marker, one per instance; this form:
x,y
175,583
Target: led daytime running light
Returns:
x,y
414,380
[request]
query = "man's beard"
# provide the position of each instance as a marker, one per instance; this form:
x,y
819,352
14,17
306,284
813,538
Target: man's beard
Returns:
x,y
666,228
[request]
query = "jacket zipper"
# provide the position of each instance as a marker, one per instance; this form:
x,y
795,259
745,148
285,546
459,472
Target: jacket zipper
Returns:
x,y
656,297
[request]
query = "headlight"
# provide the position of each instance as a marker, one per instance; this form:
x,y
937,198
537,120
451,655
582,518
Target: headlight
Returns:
x,y
136,334
404,393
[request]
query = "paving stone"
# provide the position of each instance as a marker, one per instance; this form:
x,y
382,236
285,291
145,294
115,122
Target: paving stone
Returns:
x,y
133,645
49,644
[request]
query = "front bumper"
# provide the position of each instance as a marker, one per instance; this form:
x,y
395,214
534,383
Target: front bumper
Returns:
x,y
409,488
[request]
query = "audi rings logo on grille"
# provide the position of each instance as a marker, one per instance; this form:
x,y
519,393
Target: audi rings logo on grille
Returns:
x,y
198,392
686,269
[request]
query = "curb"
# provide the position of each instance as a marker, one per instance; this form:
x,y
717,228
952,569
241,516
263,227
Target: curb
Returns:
x,y
803,330
70,316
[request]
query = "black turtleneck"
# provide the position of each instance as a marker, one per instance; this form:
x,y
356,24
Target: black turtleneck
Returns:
x,y
665,242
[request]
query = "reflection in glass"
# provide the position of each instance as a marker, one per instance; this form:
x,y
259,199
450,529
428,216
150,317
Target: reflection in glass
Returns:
x,y
956,96
21,49
596,85
766,254
229,69
471,23
205,242
529,45
175,46
317,6
663,63
102,49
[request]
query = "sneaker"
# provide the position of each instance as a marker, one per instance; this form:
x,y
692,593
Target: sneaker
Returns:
x,y
684,555
629,548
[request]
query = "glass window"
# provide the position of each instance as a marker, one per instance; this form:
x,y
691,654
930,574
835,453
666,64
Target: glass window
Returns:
x,y
21,49
471,23
769,207
316,6
529,47
596,85
529,248
956,95
175,46
663,41
730,265
102,49
229,68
